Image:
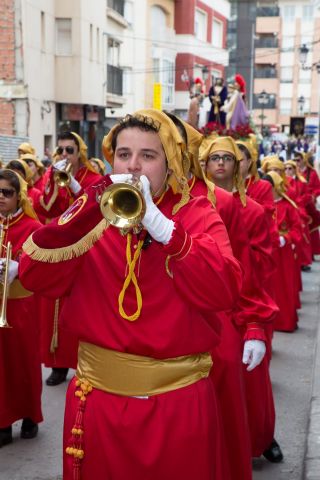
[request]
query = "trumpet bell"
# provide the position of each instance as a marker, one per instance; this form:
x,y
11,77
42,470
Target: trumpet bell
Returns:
x,y
123,205
62,177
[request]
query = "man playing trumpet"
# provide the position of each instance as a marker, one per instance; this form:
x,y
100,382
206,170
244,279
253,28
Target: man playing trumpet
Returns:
x,y
143,306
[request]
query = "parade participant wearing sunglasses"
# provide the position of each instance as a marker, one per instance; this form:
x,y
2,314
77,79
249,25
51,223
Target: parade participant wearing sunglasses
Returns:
x,y
72,150
20,367
59,347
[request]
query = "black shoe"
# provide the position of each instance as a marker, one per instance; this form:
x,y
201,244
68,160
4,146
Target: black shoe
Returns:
x,y
306,268
5,436
273,453
29,429
57,376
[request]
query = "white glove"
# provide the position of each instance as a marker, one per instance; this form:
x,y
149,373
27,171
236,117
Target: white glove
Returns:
x,y
74,185
158,225
61,165
121,178
13,269
282,241
253,353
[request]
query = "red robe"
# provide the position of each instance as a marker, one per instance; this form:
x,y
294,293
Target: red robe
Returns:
x,y
289,227
54,201
313,182
255,309
177,432
20,367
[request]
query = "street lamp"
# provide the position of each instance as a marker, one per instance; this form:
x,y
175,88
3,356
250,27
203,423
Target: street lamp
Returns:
x,y
263,100
205,73
301,102
304,50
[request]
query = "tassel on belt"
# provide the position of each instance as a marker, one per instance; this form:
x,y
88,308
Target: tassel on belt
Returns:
x,y
134,375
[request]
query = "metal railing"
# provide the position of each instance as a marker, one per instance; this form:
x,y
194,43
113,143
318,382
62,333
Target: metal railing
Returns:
x,y
270,11
114,80
267,42
265,72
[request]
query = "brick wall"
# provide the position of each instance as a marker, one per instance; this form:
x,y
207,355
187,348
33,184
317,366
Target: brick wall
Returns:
x,y
7,64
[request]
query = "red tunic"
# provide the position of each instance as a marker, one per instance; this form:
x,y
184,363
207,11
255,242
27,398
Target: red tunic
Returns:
x,y
254,310
313,183
174,321
54,201
20,367
285,279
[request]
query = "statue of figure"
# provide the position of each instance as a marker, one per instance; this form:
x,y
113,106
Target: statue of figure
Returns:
x,y
235,107
217,95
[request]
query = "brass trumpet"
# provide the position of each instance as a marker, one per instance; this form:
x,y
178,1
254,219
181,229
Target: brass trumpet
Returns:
x,y
5,291
62,177
123,206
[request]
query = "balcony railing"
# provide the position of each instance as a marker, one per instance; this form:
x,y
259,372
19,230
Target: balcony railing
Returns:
x,y
270,11
265,72
114,80
266,106
117,5
267,42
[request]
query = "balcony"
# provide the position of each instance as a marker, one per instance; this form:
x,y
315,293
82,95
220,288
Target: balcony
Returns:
x,y
271,103
267,42
265,72
268,11
117,5
114,80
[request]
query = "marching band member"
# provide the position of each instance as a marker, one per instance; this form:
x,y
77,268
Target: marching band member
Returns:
x,y
141,405
20,367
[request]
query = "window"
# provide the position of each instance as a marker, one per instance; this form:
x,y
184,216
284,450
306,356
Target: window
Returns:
x,y
200,25
168,82
158,23
128,12
63,36
304,76
307,13
43,32
285,106
288,42
98,44
91,42
288,13
217,33
113,55
286,74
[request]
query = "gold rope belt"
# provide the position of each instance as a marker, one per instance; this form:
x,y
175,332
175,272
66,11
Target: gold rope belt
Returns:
x,y
133,375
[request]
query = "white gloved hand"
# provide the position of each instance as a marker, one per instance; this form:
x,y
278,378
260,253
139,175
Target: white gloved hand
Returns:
x,y
253,353
158,225
74,185
13,270
282,241
61,165
121,178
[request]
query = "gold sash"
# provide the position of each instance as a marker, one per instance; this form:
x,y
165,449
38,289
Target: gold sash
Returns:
x,y
133,375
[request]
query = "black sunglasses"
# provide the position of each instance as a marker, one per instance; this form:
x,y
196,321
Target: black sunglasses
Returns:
x,y
7,192
68,149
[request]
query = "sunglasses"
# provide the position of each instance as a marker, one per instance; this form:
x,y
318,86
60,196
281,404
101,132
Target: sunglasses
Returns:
x,y
68,149
7,192
224,158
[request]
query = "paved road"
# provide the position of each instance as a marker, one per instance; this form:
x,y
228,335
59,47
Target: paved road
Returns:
x,y
291,371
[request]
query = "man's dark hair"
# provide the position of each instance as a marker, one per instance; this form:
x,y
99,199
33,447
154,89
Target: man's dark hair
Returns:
x,y
16,165
12,178
146,124
244,149
269,179
66,135
181,128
